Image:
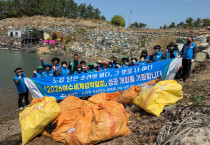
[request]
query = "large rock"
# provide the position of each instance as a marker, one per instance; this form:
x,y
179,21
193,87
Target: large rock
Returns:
x,y
181,40
201,39
202,46
201,57
207,51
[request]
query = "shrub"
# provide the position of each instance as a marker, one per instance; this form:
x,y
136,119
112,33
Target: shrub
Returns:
x,y
118,20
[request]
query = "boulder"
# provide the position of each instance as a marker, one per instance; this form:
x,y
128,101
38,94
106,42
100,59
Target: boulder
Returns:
x,y
201,57
202,46
207,51
201,39
182,40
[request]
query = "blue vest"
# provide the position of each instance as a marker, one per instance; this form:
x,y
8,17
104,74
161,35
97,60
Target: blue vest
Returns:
x,y
64,71
47,75
175,54
189,54
21,88
124,65
141,63
147,58
157,57
91,71
38,75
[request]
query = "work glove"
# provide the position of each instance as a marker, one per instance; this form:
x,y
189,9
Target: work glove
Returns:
x,y
179,56
34,71
19,77
192,60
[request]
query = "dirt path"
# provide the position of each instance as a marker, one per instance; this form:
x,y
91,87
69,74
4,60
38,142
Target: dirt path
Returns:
x,y
144,126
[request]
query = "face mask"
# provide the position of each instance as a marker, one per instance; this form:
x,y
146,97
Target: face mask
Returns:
x,y
79,69
171,47
144,54
110,66
127,63
117,65
188,41
64,66
156,50
47,68
142,60
133,60
98,65
19,73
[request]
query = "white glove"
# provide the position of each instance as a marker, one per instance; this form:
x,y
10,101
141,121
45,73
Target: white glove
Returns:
x,y
179,56
34,71
192,60
19,77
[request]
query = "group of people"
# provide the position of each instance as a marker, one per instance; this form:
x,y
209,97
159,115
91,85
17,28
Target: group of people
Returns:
x,y
75,66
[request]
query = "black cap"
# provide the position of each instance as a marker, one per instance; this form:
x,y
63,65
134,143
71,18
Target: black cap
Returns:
x,y
157,47
19,68
55,58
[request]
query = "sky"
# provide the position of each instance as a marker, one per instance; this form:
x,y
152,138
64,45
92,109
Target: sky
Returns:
x,y
154,13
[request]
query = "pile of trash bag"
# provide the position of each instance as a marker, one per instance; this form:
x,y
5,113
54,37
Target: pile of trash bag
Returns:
x,y
101,117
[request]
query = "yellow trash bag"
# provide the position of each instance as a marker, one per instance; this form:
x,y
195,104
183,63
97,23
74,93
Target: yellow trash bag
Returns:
x,y
155,98
34,119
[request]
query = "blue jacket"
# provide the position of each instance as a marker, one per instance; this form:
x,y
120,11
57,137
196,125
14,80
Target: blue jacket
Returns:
x,y
21,88
64,71
175,52
50,74
38,75
191,53
157,57
124,65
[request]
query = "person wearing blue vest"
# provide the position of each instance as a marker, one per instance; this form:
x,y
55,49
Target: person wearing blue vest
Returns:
x,y
142,61
99,65
74,63
55,65
38,72
21,87
157,56
125,61
172,51
91,68
145,55
188,54
114,61
110,66
79,70
134,61
104,66
63,70
48,70
117,65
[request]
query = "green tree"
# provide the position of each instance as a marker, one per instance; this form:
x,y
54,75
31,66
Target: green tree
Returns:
x,y
197,23
118,20
189,22
134,25
206,23
142,25
173,25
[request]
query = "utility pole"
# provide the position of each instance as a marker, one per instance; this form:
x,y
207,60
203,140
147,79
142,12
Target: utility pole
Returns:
x,y
130,18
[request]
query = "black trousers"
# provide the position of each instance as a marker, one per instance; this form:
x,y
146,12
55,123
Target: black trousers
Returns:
x,y
186,64
20,99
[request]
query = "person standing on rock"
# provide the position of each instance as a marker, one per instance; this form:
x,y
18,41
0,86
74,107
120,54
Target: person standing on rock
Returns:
x,y
21,87
188,54
74,63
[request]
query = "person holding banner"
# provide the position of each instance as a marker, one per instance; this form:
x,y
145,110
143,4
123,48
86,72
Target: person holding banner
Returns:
x,y
74,63
172,51
91,68
99,65
114,61
145,55
157,56
79,70
117,65
134,61
110,66
22,89
142,61
188,53
48,70
63,70
38,72
125,61
104,66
